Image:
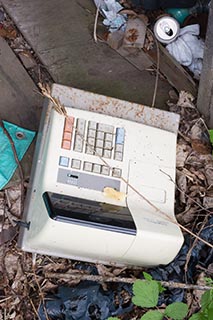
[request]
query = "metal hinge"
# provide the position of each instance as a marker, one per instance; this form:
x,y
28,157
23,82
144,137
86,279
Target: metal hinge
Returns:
x,y
23,224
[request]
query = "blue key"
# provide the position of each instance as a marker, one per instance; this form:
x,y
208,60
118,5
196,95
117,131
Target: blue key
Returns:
x,y
119,137
64,161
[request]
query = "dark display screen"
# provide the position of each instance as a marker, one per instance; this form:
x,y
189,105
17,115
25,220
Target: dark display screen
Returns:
x,y
89,213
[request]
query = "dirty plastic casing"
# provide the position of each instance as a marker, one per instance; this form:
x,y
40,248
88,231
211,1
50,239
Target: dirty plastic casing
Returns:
x,y
148,168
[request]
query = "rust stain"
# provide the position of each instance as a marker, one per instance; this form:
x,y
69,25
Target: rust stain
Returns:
x,y
132,35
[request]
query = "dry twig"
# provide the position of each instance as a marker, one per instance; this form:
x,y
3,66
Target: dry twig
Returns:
x,y
188,256
95,25
157,70
82,277
40,292
46,92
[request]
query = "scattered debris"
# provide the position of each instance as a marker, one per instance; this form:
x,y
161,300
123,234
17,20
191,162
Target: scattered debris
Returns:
x,y
25,290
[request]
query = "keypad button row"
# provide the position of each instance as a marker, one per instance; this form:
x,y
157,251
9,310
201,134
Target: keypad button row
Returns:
x,y
89,167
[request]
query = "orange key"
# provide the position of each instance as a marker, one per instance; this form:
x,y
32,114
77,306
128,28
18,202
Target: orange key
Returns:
x,y
68,126
66,144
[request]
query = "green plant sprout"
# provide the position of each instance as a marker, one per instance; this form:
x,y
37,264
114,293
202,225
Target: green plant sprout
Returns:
x,y
146,294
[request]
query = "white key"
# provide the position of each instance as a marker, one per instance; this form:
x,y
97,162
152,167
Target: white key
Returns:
x,y
118,156
76,164
100,135
119,148
96,168
105,127
116,172
107,154
89,150
88,166
91,133
91,142
99,143
108,137
92,125
99,152
105,170
108,145
81,123
78,145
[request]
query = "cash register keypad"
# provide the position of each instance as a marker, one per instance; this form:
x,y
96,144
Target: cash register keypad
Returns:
x,y
92,138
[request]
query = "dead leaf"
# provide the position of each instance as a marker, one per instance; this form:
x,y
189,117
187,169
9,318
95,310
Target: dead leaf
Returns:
x,y
209,175
8,33
182,153
19,282
13,315
201,147
48,286
13,198
199,174
210,269
200,282
54,267
189,175
117,271
208,202
186,100
7,234
182,185
187,216
104,271
11,263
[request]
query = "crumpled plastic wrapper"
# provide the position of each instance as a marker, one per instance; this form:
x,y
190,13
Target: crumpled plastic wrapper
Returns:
x,y
110,10
188,49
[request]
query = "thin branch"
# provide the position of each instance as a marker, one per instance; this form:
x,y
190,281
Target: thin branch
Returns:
x,y
34,308
193,245
157,70
46,92
82,277
5,299
95,25
41,293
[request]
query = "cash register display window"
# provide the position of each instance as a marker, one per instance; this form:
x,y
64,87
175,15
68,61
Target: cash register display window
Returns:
x,y
89,213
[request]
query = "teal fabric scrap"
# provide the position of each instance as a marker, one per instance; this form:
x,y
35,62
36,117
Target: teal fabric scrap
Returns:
x,y
22,139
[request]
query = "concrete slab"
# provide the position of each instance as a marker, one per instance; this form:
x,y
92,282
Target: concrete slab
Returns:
x,y
20,103
61,34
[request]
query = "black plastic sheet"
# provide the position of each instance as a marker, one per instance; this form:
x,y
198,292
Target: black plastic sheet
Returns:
x,y
88,300
174,271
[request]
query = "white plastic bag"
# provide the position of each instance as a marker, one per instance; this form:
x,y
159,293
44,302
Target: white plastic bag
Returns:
x,y
188,49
